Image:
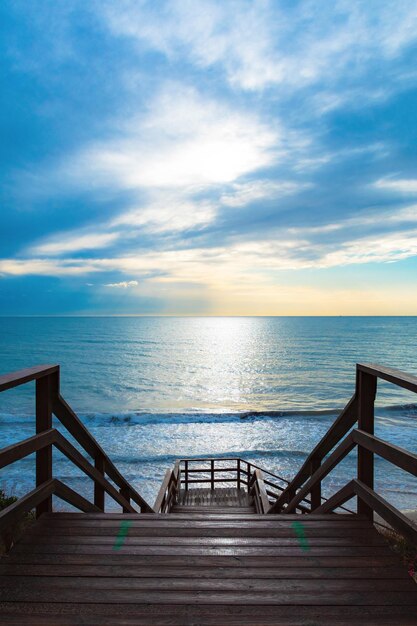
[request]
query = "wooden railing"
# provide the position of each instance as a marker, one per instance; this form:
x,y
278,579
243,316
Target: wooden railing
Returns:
x,y
220,472
50,402
360,410
257,492
169,491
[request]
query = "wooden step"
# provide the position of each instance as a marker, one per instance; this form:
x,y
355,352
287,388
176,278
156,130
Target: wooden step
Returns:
x,y
204,568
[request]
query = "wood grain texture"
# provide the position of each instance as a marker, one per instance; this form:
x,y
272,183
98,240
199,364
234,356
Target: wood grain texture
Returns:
x,y
227,568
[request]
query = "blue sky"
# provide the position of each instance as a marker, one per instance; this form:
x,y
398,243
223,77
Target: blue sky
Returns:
x,y
208,157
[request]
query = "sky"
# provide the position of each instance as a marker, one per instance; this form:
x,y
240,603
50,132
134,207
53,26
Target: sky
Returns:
x,y
208,157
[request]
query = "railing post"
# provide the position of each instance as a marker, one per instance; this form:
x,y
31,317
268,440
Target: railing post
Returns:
x,y
186,474
315,493
98,489
238,474
212,474
46,387
125,492
366,388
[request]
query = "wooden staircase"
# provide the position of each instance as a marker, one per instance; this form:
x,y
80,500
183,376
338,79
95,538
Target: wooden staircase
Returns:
x,y
224,543
204,568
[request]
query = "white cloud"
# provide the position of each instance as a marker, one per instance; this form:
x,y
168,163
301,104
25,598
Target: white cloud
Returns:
x,y
404,185
168,212
241,194
233,264
65,243
195,143
125,284
259,43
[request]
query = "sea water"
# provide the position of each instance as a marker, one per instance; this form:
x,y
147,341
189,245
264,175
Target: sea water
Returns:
x,y
155,389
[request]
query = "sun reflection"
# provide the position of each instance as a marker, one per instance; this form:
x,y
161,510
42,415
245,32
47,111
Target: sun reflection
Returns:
x,y
226,349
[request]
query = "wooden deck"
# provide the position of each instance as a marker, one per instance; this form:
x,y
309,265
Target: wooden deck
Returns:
x,y
204,566
262,551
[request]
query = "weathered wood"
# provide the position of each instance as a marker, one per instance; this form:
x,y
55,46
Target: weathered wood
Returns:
x,y
20,450
12,513
72,497
391,375
93,614
389,513
26,585
244,597
45,388
339,428
338,455
364,573
80,433
366,402
398,456
77,458
14,379
205,560
98,487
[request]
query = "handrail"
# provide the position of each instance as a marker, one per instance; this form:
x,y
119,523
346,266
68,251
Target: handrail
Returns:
x,y
169,491
48,402
30,445
334,459
391,375
14,379
310,476
14,511
258,493
77,429
235,470
338,429
397,520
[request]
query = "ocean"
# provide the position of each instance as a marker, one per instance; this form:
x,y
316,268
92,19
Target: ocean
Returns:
x,y
152,389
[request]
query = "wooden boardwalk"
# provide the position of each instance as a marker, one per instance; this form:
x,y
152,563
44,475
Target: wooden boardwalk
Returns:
x,y
209,565
262,551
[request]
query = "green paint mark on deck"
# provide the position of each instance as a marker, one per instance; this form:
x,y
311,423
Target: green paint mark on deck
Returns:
x,y
123,530
299,531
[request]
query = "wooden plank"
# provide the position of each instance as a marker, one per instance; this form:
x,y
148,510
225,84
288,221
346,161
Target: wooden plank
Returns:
x,y
32,586
20,450
72,497
391,375
338,429
171,550
81,434
201,531
370,539
20,377
45,389
298,560
99,491
94,614
366,401
12,513
181,615
150,571
79,461
124,596
313,517
390,514
208,521
334,459
398,456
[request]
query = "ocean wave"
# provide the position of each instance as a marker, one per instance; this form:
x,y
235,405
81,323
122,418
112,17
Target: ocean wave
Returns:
x,y
133,418
243,454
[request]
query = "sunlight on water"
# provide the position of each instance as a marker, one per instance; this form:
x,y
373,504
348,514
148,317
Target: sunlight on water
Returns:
x,y
265,389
